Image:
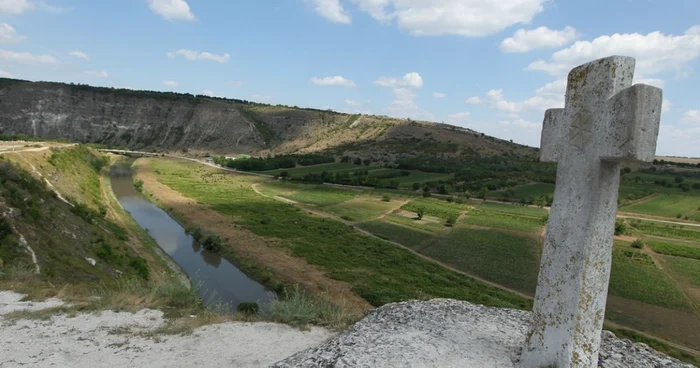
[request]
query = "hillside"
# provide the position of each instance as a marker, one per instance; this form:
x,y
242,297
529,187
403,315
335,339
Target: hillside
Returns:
x,y
171,121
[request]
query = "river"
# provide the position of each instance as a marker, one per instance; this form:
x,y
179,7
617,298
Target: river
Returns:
x,y
218,279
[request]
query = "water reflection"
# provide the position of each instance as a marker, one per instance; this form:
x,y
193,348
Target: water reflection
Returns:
x,y
216,275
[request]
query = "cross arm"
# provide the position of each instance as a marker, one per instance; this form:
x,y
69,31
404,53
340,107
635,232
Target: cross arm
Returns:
x,y
634,113
553,129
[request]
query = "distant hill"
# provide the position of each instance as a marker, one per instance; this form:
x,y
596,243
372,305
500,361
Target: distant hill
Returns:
x,y
173,121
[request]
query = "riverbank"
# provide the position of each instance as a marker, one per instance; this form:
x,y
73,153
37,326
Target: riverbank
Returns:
x,y
218,281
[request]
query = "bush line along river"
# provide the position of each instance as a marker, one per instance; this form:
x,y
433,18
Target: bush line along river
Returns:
x,y
216,278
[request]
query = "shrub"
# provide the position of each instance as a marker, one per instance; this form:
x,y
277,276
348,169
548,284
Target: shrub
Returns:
x,y
141,267
212,243
459,200
138,184
620,227
386,198
420,212
679,215
249,308
195,232
451,221
639,244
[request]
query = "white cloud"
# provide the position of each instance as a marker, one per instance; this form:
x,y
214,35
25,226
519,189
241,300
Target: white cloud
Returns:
x,y
469,18
520,122
460,117
353,103
681,141
691,117
15,7
98,74
666,105
25,58
551,95
656,82
404,103
208,92
196,55
234,83
475,100
9,35
80,55
375,8
538,38
170,83
331,10
439,95
333,81
654,52
261,98
412,80
172,9
4,74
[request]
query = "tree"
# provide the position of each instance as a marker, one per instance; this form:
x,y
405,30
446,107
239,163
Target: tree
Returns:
x,y
366,162
386,198
678,179
420,212
357,161
620,227
284,175
483,192
451,221
416,186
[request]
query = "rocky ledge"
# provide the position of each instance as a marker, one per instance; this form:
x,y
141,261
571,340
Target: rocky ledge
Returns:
x,y
450,333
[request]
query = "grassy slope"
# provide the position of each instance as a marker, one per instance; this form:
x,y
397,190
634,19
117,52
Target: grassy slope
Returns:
x,y
377,271
63,237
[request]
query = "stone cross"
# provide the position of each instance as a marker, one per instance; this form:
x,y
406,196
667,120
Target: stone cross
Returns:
x,y
605,123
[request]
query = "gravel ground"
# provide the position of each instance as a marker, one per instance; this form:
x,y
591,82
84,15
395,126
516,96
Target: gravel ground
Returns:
x,y
450,333
98,340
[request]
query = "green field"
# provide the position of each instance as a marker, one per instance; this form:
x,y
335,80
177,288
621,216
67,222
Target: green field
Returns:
x,y
483,217
635,276
643,227
400,234
435,207
677,250
688,268
668,205
382,273
360,208
376,270
500,257
316,195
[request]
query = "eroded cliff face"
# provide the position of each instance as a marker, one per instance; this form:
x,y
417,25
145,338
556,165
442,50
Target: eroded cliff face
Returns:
x,y
50,110
170,121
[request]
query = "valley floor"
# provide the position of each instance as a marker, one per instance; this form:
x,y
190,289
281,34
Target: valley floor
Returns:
x,y
111,339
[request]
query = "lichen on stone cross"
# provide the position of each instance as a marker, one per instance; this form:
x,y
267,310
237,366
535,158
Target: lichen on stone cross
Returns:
x,y
605,123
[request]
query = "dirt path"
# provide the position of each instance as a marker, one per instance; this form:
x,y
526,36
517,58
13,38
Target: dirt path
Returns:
x,y
655,219
398,207
278,198
263,251
326,215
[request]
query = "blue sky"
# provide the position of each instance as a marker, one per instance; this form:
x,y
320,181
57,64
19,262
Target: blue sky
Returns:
x,y
490,65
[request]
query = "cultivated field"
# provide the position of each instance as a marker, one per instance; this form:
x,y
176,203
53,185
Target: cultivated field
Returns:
x,y
653,283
